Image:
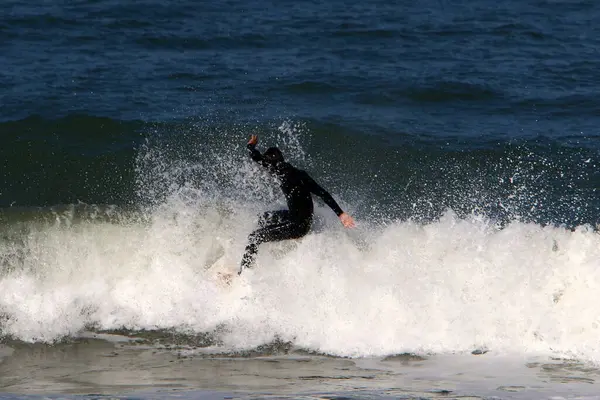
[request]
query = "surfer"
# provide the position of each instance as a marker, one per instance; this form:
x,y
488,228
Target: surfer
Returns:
x,y
297,187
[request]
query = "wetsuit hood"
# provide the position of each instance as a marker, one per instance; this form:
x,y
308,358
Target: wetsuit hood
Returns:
x,y
273,156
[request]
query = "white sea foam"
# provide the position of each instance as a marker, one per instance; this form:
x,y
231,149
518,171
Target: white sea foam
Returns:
x,y
450,286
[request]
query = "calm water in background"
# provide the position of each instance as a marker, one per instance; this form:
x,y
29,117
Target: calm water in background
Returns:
x,y
122,123
497,86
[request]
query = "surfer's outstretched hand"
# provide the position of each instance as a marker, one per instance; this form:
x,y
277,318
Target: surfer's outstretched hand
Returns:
x,y
253,140
347,220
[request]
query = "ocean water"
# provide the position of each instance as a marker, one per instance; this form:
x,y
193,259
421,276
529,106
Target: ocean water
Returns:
x,y
461,136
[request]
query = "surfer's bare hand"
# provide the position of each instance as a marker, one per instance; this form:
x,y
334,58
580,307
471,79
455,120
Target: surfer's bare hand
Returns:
x,y
253,140
347,220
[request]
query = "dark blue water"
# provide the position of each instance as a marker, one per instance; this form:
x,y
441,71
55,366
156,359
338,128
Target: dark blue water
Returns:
x,y
491,89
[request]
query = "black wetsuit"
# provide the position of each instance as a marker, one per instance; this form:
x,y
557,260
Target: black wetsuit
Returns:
x,y
293,223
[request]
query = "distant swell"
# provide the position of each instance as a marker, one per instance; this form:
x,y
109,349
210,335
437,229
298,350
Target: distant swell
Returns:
x,y
452,91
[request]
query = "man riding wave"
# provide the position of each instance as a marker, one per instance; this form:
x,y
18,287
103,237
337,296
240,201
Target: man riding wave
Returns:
x,y
297,187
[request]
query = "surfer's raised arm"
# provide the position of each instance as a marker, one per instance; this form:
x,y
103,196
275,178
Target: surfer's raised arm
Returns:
x,y
271,158
255,154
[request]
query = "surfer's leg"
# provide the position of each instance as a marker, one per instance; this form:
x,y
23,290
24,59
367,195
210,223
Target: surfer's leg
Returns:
x,y
266,222
269,233
273,218
284,229
250,253
270,223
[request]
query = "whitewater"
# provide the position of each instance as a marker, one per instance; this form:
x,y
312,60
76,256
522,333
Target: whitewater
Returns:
x,y
454,285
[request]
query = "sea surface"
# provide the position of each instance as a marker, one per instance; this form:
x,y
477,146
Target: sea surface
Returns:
x,y
462,136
